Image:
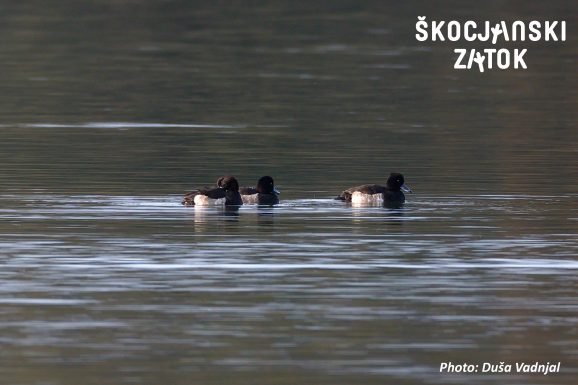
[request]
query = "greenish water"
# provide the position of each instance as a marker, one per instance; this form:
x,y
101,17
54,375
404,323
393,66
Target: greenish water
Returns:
x,y
111,110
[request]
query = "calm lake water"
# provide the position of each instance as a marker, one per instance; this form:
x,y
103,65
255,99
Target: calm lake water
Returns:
x,y
111,110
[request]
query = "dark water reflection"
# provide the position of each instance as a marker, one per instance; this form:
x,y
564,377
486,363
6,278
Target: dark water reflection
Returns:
x,y
110,111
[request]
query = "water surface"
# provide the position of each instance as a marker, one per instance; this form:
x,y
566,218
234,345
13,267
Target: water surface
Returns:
x,y
111,111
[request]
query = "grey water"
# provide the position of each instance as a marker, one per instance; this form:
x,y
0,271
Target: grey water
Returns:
x,y
110,111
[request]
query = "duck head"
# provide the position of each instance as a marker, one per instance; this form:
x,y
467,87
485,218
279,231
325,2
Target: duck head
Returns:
x,y
396,182
228,183
266,185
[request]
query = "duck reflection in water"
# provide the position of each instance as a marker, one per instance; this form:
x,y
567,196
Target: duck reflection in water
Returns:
x,y
388,213
209,215
395,214
231,213
266,217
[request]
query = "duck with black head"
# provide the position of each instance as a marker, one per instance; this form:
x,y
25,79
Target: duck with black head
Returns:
x,y
367,194
226,192
264,194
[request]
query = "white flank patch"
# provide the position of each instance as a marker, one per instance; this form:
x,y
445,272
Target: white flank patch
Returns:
x,y
203,200
250,199
359,198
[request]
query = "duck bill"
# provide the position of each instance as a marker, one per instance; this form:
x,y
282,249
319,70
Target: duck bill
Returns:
x,y
406,189
276,191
